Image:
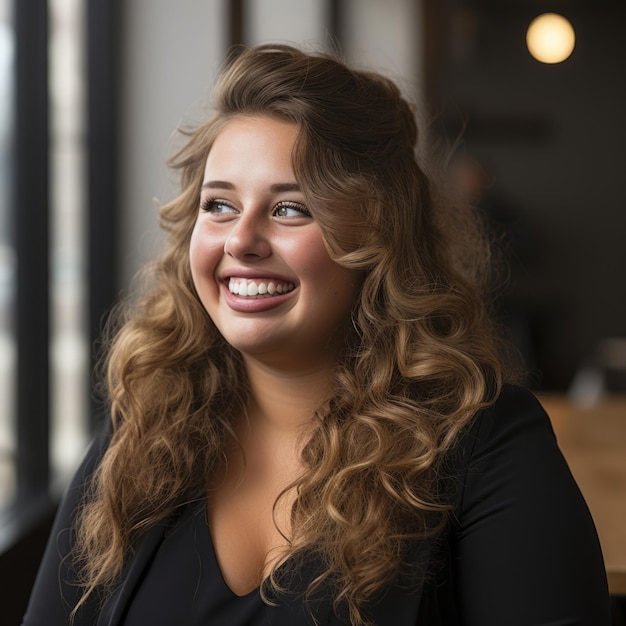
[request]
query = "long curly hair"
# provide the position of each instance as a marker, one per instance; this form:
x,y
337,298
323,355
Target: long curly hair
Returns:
x,y
420,360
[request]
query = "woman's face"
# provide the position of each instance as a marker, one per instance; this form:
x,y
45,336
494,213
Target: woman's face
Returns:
x,y
258,260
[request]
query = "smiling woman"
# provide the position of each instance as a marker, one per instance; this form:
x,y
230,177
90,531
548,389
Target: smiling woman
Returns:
x,y
311,421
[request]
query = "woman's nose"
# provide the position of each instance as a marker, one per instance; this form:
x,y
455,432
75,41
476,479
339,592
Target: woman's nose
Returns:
x,y
248,237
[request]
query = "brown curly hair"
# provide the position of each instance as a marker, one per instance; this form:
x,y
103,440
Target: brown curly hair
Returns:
x,y
420,360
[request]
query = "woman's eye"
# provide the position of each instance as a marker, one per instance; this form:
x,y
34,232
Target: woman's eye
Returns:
x,y
217,207
291,209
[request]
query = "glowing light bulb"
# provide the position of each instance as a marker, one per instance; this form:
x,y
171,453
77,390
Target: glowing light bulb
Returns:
x,y
550,38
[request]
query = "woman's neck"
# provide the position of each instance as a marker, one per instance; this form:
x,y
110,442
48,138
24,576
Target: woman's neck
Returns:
x,y
283,400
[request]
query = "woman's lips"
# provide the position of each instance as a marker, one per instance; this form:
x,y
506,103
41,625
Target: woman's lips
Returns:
x,y
255,295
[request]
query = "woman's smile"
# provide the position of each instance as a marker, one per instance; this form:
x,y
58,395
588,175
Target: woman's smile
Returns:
x,y
255,295
264,288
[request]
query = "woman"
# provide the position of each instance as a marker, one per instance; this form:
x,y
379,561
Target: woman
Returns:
x,y
310,421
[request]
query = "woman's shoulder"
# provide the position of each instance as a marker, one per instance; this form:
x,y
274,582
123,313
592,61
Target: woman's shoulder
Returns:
x,y
520,522
514,422
510,452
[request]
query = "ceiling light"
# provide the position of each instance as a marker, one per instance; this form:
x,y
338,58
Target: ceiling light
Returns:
x,y
550,38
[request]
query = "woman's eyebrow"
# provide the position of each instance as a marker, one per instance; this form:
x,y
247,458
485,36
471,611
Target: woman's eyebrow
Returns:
x,y
217,184
280,187
275,188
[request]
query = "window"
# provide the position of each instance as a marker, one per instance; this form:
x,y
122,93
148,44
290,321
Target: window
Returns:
x,y
56,138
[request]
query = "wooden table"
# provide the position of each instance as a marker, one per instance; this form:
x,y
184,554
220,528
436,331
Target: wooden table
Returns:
x,y
593,441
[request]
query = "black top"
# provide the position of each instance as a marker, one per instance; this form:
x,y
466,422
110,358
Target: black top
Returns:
x,y
195,581
520,550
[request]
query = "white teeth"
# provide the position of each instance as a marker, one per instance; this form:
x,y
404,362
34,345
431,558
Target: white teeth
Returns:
x,y
246,288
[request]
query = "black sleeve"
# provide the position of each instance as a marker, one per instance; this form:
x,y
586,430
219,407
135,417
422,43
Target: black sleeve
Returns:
x,y
54,593
526,550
